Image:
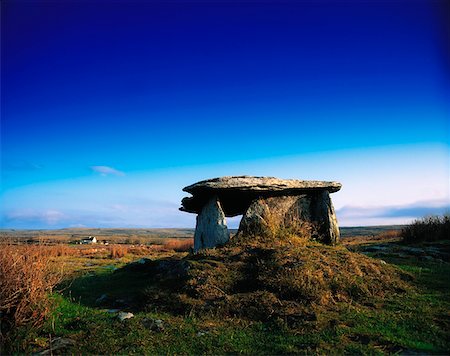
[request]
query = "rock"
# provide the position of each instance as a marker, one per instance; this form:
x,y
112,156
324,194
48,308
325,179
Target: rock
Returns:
x,y
267,204
263,215
153,324
124,315
271,184
113,311
324,217
375,248
58,344
102,299
211,229
415,251
237,193
301,213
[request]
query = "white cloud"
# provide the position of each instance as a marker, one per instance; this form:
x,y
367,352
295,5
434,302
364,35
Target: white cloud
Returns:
x,y
393,214
105,170
380,186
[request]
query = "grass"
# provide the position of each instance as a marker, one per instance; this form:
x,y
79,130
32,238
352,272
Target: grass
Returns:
x,y
228,301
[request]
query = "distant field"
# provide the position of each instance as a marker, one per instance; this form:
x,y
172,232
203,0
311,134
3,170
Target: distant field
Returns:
x,y
146,236
81,232
368,230
127,236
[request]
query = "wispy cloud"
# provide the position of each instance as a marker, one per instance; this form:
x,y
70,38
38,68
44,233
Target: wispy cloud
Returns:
x,y
354,215
105,171
118,214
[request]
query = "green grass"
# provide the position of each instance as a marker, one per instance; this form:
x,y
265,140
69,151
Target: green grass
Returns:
x,y
415,321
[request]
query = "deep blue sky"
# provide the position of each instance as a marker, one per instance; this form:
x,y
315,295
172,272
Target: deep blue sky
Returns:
x,y
147,86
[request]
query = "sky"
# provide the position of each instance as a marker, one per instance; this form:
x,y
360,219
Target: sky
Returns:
x,y
110,108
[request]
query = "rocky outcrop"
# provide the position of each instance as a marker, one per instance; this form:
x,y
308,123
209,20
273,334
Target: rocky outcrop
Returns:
x,y
266,204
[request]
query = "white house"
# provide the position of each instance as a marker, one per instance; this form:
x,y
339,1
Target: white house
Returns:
x,y
89,240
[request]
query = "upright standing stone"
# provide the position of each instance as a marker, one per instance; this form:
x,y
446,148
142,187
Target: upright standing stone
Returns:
x,y
211,229
323,214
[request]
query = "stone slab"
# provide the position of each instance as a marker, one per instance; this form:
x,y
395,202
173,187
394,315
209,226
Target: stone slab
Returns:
x,y
236,193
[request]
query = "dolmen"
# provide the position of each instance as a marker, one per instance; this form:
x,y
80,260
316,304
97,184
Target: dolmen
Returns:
x,y
265,203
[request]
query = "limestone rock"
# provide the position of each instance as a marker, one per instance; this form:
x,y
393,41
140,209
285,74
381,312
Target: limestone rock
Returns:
x,y
267,204
153,324
237,193
266,215
271,184
211,229
58,346
323,215
124,315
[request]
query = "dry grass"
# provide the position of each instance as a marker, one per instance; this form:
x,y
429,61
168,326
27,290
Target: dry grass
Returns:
x,y
383,237
174,245
27,276
389,235
262,279
117,251
179,245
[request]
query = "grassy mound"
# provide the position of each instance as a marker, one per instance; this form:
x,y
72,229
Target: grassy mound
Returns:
x,y
262,280
431,228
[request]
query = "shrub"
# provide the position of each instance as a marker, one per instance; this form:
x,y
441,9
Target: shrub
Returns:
x,y
430,228
27,276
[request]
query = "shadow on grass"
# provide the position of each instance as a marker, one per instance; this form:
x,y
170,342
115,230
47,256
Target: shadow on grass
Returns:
x,y
122,288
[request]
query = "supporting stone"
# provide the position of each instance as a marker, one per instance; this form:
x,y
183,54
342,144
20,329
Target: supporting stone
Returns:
x,y
323,214
265,216
211,229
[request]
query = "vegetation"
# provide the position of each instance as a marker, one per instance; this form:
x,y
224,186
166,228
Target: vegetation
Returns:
x,y
112,236
27,276
431,228
280,295
281,279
